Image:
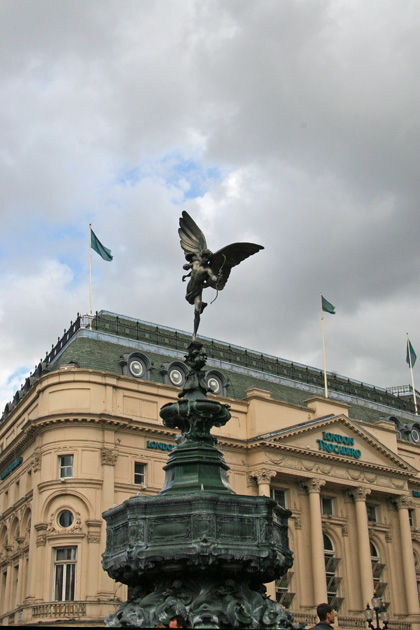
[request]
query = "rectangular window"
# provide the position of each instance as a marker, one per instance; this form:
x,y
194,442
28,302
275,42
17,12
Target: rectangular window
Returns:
x,y
13,594
64,574
139,474
371,513
411,518
66,466
29,481
327,506
3,603
279,496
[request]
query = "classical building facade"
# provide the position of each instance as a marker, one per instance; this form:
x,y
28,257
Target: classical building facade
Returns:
x,y
84,434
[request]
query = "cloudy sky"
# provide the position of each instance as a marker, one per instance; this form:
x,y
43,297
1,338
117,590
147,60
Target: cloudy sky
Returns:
x,y
292,124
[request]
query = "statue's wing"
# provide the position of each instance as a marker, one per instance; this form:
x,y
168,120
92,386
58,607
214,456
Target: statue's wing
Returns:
x,y
224,259
192,238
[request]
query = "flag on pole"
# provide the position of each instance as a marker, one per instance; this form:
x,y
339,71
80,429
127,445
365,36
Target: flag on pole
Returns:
x,y
100,249
327,306
411,357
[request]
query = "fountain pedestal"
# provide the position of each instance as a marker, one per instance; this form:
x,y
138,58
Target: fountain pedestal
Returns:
x,y
197,549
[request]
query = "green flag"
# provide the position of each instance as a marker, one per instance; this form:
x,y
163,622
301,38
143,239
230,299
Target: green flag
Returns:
x,y
327,306
96,244
410,353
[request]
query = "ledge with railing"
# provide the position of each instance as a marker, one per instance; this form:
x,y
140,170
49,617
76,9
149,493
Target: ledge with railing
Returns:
x,y
59,610
171,338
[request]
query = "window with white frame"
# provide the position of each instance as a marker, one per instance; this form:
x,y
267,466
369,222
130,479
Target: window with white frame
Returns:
x,y
279,496
65,464
64,574
139,474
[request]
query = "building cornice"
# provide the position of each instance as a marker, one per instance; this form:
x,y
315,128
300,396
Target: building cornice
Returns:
x,y
304,453
70,483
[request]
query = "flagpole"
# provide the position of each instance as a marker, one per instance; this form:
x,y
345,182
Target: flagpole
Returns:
x,y
323,350
412,375
90,275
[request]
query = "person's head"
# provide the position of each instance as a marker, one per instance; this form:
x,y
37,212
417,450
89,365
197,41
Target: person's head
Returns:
x,y
325,613
177,622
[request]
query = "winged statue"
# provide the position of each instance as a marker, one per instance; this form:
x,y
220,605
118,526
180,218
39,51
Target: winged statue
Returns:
x,y
207,269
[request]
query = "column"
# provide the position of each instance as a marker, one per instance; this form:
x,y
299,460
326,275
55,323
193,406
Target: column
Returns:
x,y
410,580
33,576
363,544
93,557
19,589
8,588
109,457
263,477
317,540
41,540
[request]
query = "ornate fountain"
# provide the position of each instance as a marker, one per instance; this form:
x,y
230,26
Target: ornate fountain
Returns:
x,y
197,549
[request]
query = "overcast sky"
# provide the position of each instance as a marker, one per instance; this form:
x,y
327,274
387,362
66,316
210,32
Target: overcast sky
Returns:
x,y
292,124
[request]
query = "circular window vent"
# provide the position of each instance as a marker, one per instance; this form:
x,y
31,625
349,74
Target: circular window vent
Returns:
x,y
136,367
176,376
216,382
65,518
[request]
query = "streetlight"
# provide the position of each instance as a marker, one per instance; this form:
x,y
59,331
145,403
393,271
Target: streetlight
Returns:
x,y
379,607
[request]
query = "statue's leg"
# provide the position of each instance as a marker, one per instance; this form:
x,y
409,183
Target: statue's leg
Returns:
x,y
197,311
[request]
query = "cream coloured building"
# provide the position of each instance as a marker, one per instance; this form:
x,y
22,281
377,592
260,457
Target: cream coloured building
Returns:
x,y
84,434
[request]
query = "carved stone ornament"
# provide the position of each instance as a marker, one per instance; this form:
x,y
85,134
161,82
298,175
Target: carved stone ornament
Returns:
x,y
276,459
109,456
315,484
360,494
302,489
264,475
388,537
404,503
36,460
298,523
51,528
73,529
41,529
94,531
398,483
370,477
344,530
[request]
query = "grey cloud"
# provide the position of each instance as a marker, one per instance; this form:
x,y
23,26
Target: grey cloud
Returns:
x,y
309,110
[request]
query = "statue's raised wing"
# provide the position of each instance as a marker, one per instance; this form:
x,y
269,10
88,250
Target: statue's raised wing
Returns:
x,y
192,238
224,259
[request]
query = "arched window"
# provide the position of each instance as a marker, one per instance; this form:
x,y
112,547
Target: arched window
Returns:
x,y
377,571
333,581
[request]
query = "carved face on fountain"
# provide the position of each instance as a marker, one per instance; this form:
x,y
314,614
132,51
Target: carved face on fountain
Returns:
x,y
196,357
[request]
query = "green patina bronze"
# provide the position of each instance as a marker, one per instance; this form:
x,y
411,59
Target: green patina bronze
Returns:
x,y
197,549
